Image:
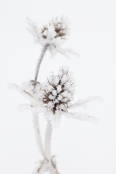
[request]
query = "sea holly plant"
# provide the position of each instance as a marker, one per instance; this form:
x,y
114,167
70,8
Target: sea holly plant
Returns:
x,y
51,37
53,98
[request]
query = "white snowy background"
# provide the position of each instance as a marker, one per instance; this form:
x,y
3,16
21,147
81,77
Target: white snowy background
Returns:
x,y
81,147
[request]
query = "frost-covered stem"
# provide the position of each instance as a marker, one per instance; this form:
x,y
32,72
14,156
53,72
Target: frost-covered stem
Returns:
x,y
48,135
38,135
39,62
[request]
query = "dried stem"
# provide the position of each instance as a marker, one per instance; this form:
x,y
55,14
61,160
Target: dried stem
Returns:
x,y
48,140
39,62
38,135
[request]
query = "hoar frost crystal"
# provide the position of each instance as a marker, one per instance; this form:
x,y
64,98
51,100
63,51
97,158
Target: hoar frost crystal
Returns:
x,y
54,97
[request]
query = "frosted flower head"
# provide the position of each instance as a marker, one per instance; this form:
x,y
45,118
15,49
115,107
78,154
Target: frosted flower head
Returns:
x,y
54,98
56,28
52,34
58,92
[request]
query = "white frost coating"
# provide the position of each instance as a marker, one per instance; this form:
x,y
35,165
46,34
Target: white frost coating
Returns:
x,y
54,92
37,133
56,80
49,115
65,94
32,108
42,169
60,97
47,166
27,86
54,99
59,88
53,35
39,63
49,88
82,117
56,121
64,79
50,105
48,135
84,102
24,93
51,97
66,51
27,107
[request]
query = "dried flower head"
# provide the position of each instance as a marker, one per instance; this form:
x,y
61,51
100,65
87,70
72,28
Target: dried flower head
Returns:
x,y
60,28
53,35
54,97
58,91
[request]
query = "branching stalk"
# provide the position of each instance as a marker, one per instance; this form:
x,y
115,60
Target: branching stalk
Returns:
x,y
39,62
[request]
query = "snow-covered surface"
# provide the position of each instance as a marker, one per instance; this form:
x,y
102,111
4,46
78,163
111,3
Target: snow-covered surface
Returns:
x,y
91,148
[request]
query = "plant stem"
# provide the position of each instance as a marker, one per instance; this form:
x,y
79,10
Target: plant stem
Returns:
x,y
48,135
38,135
39,62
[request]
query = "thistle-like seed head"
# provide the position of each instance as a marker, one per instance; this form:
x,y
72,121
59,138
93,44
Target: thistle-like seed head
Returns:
x,y
57,93
52,34
59,27
54,98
